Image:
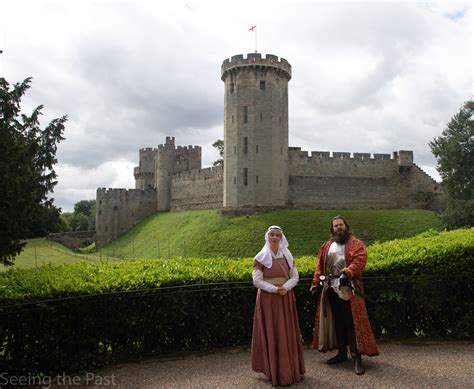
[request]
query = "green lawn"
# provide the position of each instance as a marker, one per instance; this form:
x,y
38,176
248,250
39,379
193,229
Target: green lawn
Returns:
x,y
207,234
39,252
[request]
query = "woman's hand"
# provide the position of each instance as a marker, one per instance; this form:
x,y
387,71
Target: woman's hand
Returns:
x,y
281,291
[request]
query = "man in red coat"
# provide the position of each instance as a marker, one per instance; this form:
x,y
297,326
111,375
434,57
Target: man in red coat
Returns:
x,y
341,317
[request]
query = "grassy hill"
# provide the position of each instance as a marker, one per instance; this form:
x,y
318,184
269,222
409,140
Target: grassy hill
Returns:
x,y
207,234
39,252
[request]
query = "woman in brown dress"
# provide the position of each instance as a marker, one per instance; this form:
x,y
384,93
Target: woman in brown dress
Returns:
x,y
276,341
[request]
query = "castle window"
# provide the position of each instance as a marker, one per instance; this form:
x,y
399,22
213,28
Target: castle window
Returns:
x,y
261,116
235,149
281,150
281,182
232,118
279,120
256,148
100,212
231,87
106,228
262,85
256,179
246,174
100,202
246,145
235,180
246,114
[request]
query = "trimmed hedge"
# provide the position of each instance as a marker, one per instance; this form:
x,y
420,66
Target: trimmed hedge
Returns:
x,y
86,315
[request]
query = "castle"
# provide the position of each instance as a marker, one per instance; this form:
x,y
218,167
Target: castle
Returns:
x,y
260,171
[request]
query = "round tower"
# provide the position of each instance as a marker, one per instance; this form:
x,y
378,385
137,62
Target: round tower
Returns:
x,y
255,130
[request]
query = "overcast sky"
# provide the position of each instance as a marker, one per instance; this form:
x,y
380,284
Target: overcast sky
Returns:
x,y
367,76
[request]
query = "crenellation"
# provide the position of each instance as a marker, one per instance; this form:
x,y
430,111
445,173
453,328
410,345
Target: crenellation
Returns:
x,y
320,154
382,157
341,154
255,59
362,156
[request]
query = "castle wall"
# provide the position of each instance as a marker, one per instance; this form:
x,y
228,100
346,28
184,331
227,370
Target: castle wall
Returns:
x,y
197,189
118,210
342,180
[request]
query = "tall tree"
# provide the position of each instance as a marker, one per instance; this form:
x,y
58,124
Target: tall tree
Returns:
x,y
219,145
27,158
454,150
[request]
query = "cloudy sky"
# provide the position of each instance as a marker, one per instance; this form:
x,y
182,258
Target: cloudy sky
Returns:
x,y
367,76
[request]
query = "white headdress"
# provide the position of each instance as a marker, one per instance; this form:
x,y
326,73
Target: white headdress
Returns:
x,y
265,254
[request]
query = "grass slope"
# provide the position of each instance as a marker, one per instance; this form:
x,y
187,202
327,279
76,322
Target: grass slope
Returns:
x,y
207,234
39,252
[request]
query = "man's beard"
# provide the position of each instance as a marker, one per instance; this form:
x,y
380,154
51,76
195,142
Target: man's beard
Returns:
x,y
342,237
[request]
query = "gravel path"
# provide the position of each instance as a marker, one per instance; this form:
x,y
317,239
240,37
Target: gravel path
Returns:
x,y
399,365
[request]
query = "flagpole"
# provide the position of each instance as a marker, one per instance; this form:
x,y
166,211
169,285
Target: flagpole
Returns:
x,y
255,38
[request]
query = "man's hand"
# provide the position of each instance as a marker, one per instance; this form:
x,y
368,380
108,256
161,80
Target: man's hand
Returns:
x,y
281,291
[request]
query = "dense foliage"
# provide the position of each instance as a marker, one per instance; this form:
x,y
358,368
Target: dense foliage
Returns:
x,y
427,253
454,150
83,217
27,158
422,286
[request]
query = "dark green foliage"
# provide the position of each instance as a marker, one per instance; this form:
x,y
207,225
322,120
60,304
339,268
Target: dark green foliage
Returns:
x,y
219,145
46,219
454,150
27,157
422,286
83,217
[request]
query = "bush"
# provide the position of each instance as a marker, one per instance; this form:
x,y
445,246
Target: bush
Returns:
x,y
422,287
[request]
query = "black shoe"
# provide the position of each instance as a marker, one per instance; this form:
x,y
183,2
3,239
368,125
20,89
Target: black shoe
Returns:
x,y
340,357
358,367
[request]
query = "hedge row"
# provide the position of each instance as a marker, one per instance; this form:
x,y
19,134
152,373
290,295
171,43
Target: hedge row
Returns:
x,y
420,287
428,253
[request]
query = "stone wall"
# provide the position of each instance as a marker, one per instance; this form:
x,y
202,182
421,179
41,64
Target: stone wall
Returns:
x,y
118,210
72,239
197,189
360,180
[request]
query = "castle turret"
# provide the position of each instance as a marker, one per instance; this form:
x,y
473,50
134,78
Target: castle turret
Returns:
x,y
255,130
164,169
171,160
145,172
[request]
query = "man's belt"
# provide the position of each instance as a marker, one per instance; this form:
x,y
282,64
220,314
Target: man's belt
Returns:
x,y
332,280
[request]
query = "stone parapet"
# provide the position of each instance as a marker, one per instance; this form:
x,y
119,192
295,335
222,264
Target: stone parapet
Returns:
x,y
255,60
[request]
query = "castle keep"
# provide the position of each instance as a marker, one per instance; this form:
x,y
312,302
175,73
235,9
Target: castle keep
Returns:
x,y
260,170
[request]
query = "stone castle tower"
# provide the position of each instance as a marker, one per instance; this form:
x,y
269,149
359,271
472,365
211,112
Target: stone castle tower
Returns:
x,y
260,170
255,131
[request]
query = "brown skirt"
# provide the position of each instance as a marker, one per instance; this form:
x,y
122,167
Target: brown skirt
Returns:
x,y
276,338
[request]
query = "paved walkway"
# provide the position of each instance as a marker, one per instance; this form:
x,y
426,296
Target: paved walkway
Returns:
x,y
399,365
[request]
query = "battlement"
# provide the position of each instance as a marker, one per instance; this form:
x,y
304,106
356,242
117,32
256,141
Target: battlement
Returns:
x,y
170,145
114,192
189,148
255,60
403,157
147,150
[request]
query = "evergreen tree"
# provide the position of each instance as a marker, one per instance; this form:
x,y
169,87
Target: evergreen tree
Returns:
x,y
27,158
